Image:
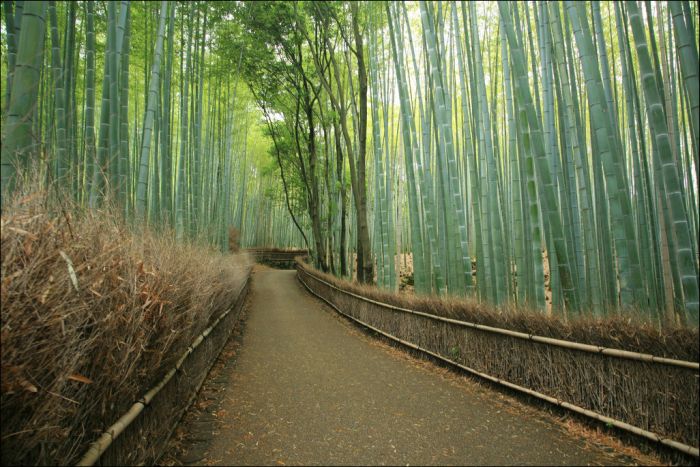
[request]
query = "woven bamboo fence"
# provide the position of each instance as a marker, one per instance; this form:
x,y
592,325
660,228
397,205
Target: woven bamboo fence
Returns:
x,y
653,397
140,435
277,258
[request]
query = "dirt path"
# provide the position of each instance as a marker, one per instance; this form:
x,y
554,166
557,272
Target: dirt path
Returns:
x,y
303,387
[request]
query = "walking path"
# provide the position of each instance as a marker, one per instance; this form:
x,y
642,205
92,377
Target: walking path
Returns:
x,y
305,387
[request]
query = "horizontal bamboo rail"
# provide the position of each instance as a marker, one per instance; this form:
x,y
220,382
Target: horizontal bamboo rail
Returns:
x,y
684,448
98,447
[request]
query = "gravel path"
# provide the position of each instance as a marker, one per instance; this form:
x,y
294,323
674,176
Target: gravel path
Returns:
x,y
304,387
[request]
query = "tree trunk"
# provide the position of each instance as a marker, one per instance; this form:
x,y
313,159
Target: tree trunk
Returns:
x,y
365,265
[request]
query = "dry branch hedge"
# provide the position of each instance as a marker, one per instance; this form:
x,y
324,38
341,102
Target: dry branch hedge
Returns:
x,y
143,441
659,398
93,314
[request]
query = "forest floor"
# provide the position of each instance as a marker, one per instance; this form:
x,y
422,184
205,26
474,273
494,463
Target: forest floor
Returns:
x,y
297,384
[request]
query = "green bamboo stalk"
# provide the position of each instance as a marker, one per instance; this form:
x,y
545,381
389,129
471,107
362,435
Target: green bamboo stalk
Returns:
x,y
59,96
533,251
684,260
688,57
381,214
69,93
618,197
390,148
11,50
18,148
181,183
490,204
112,61
102,166
123,45
410,147
90,153
166,136
543,175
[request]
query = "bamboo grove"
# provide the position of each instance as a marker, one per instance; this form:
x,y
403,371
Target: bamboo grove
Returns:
x,y
541,154
127,102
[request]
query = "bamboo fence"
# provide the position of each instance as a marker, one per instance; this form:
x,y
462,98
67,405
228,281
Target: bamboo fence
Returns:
x,y
650,396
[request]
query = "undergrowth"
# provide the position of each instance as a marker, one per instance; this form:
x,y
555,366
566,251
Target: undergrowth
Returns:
x,y
94,312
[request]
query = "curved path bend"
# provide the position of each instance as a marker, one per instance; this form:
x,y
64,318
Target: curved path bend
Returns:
x,y
305,387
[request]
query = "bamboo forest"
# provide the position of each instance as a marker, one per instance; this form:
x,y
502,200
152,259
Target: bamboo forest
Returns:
x,y
494,141
533,160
